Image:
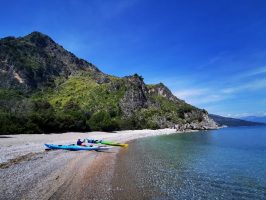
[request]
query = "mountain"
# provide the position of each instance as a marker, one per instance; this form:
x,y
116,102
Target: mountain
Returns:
x,y
45,88
232,121
261,119
35,61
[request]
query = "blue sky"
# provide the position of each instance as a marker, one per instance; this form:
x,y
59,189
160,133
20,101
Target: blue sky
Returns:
x,y
210,53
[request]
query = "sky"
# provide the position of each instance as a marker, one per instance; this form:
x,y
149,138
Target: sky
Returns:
x,y
211,54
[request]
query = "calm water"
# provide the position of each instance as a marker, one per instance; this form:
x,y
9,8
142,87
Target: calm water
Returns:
x,y
228,163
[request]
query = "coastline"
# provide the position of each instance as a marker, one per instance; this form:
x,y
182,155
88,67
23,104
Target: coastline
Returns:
x,y
30,172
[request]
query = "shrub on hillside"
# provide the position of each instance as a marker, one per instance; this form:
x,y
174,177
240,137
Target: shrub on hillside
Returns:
x,y
185,108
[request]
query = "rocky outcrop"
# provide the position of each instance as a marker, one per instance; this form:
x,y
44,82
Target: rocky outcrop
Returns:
x,y
206,124
161,90
136,95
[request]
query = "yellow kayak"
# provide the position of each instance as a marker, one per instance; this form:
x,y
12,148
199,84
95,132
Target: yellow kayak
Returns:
x,y
107,143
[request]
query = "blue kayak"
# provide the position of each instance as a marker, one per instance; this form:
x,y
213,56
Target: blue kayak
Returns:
x,y
75,147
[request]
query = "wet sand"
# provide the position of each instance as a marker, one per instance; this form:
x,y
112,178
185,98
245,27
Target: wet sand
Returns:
x,y
27,171
130,179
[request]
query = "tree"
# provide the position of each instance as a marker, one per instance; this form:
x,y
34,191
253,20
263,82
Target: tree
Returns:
x,y
102,121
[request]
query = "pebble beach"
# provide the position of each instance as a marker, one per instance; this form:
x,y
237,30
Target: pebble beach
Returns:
x,y
28,171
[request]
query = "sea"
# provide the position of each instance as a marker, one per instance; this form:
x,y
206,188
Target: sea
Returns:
x,y
229,163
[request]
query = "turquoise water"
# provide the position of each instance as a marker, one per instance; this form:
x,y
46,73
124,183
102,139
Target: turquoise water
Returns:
x,y
228,163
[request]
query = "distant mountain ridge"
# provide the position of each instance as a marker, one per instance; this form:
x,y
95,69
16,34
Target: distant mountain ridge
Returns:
x,y
261,119
45,88
233,121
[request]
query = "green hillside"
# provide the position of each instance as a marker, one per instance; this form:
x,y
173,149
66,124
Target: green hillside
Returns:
x,y
44,88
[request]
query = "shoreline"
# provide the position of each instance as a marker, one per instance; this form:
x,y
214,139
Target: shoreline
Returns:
x,y
13,146
30,172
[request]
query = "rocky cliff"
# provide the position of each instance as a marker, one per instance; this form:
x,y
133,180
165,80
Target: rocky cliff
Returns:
x,y
44,88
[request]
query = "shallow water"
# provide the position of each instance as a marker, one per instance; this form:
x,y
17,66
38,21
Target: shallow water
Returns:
x,y
228,163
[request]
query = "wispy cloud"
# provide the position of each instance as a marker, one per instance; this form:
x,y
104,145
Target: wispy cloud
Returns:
x,y
201,96
190,93
248,75
207,96
257,71
244,114
213,60
212,98
250,86
232,94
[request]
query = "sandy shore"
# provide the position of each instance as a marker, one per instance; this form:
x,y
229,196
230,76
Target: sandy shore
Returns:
x,y
30,172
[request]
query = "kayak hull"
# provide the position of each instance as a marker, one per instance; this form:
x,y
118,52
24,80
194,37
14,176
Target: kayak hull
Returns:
x,y
75,147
